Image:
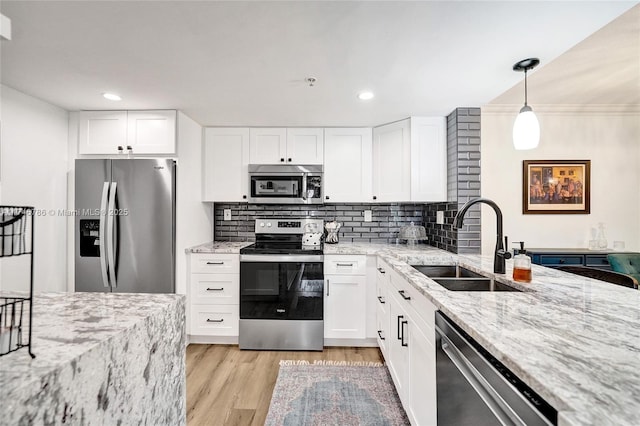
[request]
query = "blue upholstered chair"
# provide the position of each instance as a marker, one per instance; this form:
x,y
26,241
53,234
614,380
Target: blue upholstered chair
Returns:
x,y
626,263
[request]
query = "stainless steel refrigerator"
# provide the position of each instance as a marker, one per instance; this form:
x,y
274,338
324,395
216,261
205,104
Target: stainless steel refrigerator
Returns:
x,y
125,225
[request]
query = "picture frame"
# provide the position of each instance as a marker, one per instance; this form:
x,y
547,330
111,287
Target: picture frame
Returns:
x,y
556,186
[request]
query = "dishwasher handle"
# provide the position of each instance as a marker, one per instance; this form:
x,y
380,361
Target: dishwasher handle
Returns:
x,y
490,397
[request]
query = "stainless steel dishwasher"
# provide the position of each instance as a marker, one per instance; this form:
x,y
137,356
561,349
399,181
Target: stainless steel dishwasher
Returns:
x,y
475,389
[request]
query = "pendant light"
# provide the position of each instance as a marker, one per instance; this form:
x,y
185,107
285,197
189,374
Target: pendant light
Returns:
x,y
526,130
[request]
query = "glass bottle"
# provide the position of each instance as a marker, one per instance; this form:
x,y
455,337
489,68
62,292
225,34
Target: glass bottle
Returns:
x,y
602,239
521,265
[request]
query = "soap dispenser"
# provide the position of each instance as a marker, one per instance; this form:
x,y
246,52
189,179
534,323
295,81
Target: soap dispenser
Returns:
x,y
521,265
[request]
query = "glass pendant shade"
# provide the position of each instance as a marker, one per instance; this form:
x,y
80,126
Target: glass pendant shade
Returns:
x,y
526,129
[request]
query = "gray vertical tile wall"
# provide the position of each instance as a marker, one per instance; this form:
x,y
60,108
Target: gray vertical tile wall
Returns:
x,y
463,172
387,219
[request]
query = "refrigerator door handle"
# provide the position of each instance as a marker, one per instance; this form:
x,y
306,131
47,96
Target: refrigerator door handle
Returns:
x,y
102,238
110,234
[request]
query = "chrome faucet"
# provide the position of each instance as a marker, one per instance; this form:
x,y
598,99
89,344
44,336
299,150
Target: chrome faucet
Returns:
x,y
499,254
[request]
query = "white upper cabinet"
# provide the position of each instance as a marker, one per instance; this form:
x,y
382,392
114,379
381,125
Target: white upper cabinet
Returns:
x,y
391,160
409,160
111,132
305,146
428,159
268,145
274,145
152,132
347,165
102,132
226,157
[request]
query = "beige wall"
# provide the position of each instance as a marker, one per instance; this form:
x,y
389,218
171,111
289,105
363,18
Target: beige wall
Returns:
x,y
610,139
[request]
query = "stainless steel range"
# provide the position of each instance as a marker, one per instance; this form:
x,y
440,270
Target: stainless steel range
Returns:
x,y
281,287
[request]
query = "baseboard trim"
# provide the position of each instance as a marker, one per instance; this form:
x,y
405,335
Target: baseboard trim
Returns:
x,y
233,340
358,343
223,340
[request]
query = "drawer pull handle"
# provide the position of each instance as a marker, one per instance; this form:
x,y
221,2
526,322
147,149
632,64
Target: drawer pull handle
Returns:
x,y
381,300
215,289
344,264
380,335
381,270
400,317
403,295
402,335
215,263
220,320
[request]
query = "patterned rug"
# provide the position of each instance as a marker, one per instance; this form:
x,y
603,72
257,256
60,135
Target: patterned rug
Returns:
x,y
334,393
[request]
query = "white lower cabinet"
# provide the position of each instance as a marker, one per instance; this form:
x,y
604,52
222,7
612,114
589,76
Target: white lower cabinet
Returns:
x,y
398,359
422,401
382,307
214,292
344,307
345,304
406,322
215,320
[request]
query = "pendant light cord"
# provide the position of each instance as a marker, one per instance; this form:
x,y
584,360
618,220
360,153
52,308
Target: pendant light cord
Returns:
x,y
525,87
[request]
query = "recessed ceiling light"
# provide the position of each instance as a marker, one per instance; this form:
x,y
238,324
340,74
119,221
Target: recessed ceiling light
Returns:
x,y
112,96
365,96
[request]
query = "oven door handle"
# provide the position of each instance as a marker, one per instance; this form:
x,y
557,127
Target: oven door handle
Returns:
x,y
484,390
280,258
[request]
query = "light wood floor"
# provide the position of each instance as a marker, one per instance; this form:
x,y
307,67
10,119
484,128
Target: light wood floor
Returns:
x,y
227,386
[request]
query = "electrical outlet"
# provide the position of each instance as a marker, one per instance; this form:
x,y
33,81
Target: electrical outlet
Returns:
x,y
367,215
440,218
227,214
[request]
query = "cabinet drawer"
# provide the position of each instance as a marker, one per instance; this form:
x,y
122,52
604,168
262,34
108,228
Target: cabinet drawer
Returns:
x,y
215,320
550,260
345,265
215,263
597,260
223,289
415,303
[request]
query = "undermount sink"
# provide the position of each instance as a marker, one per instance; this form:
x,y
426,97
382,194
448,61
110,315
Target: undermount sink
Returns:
x,y
473,284
458,278
446,271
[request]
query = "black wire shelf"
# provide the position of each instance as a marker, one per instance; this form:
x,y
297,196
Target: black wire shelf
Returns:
x,y
16,312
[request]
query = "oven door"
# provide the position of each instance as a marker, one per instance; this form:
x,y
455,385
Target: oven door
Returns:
x,y
281,287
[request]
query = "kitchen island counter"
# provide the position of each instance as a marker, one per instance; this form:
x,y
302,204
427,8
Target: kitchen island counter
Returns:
x,y
103,358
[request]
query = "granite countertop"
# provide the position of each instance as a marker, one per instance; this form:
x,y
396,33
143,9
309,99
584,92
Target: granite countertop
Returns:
x,y
69,325
572,339
377,248
219,247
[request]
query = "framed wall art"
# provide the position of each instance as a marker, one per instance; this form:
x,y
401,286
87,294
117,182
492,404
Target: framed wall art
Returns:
x,y
556,186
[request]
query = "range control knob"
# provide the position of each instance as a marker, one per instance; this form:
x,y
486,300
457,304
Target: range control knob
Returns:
x,y
268,224
262,224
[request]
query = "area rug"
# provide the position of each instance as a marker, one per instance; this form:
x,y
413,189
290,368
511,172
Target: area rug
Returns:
x,y
334,393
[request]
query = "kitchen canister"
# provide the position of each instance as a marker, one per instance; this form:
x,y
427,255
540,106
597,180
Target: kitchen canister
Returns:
x,y
332,232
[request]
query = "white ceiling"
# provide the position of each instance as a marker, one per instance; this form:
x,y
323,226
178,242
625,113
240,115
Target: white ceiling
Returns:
x,y
603,69
244,63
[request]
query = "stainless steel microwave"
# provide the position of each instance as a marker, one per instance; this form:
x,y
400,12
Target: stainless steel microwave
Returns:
x,y
285,184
